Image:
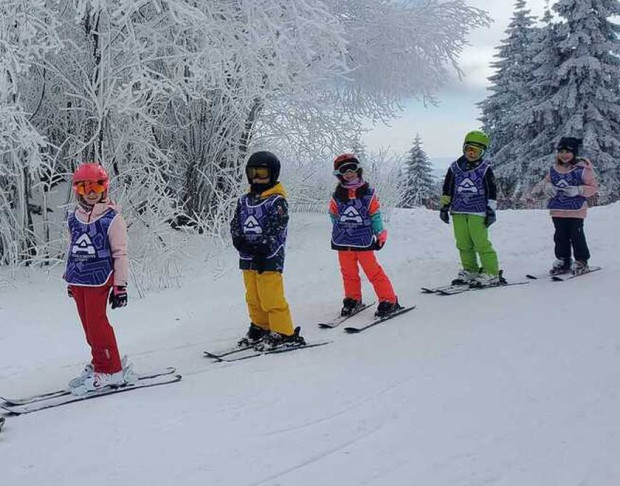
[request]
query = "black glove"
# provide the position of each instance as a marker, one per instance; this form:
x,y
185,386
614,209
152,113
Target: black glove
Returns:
x,y
242,245
259,262
490,217
260,251
444,214
69,292
118,296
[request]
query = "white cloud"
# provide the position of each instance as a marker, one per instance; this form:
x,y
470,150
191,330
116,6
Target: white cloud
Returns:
x,y
442,128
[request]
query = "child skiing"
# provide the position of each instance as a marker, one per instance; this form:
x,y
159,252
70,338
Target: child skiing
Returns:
x,y
259,230
568,183
97,270
357,230
470,196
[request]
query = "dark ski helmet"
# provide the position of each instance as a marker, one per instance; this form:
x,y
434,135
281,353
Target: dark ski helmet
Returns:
x,y
569,143
267,160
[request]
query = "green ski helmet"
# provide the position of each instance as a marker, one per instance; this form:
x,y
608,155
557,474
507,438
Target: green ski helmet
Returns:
x,y
477,137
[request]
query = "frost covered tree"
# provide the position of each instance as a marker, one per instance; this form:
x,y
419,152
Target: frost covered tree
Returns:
x,y
532,119
26,34
509,88
574,91
587,99
418,176
171,95
536,117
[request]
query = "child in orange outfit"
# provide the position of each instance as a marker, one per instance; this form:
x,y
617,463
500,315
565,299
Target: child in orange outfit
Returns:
x,y
358,231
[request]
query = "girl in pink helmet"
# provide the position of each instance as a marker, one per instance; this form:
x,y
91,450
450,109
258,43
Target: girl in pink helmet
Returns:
x,y
96,272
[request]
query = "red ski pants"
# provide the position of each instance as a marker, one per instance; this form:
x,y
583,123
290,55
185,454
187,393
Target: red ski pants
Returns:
x,y
351,278
91,305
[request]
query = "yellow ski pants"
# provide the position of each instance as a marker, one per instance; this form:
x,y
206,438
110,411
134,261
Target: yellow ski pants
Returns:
x,y
267,306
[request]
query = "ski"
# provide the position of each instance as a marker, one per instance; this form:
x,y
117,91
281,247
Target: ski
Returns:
x,y
69,398
399,312
339,320
560,277
254,353
47,396
469,288
569,276
226,352
442,288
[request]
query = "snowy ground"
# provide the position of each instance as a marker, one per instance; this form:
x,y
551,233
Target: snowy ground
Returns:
x,y
513,387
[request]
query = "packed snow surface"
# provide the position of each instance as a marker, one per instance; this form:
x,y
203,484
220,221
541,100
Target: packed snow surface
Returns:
x,y
515,386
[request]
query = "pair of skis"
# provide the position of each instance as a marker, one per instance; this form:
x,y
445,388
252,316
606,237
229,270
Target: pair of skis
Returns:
x,y
239,353
354,330
34,403
460,288
564,276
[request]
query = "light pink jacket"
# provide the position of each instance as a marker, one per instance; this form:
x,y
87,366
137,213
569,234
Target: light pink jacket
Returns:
x,y
117,236
588,189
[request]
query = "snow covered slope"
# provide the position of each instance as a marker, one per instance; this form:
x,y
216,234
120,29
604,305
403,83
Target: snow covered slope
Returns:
x,y
513,387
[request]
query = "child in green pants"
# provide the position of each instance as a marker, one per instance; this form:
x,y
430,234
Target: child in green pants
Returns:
x,y
470,196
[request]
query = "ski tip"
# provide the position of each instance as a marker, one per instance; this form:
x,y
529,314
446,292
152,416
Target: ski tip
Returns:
x,y
351,330
533,277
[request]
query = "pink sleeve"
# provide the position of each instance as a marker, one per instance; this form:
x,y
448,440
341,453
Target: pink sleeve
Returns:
x,y
117,235
590,187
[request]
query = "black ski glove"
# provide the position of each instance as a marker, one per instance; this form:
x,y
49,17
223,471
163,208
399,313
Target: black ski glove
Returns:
x,y
69,292
259,262
242,245
118,296
490,217
444,214
260,251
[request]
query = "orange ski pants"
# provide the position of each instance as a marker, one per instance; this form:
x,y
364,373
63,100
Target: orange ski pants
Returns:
x,y
351,278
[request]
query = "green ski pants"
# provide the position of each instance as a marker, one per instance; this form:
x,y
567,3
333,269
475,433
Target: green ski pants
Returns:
x,y
472,240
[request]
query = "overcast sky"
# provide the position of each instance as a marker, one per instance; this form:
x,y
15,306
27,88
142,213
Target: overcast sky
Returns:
x,y
442,128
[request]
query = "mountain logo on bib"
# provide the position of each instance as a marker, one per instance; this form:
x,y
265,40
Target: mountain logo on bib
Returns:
x,y
351,215
467,185
562,184
83,245
251,226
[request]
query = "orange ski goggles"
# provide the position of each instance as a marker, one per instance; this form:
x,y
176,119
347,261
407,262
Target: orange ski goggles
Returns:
x,y
258,172
86,187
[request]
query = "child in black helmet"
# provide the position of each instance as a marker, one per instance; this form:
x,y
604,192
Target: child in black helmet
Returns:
x,y
259,230
568,184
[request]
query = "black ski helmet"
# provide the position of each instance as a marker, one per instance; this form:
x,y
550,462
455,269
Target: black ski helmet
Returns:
x,y
264,159
570,143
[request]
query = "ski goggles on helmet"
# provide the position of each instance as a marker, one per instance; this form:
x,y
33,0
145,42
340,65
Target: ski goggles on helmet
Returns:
x,y
348,167
258,172
86,187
